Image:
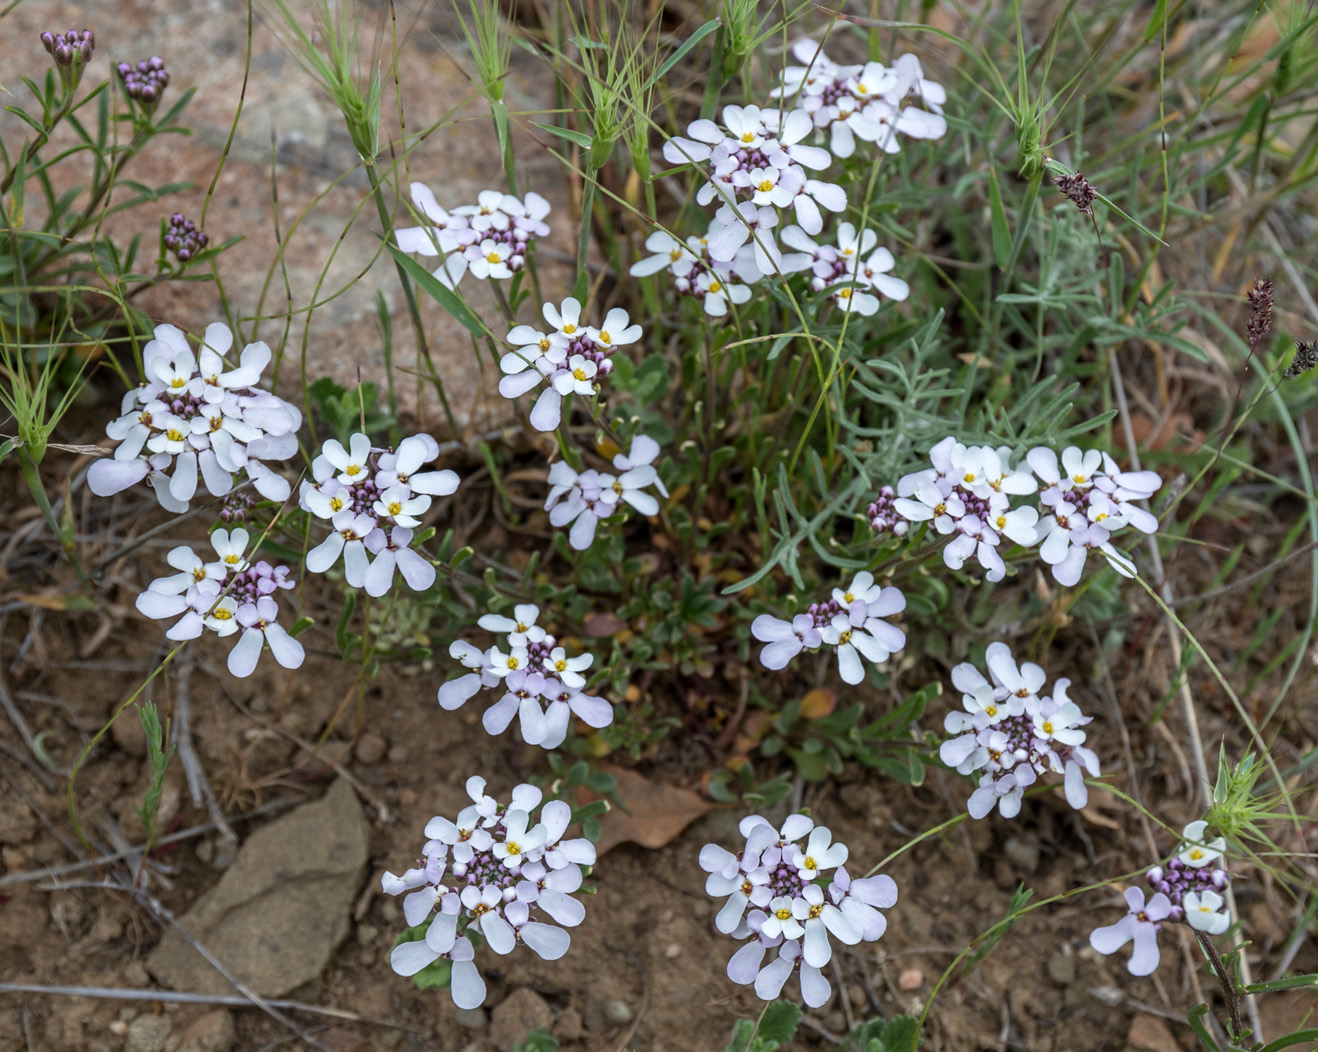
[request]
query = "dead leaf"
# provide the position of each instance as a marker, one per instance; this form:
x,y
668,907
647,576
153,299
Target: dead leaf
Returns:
x,y
658,812
601,624
818,703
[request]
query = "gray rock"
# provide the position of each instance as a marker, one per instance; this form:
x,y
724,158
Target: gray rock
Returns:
x,y
278,913
147,1033
472,1018
516,1016
370,749
1023,851
1061,968
213,1032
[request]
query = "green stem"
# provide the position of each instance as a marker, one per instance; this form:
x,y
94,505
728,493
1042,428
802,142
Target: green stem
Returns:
x,y
32,476
409,294
583,238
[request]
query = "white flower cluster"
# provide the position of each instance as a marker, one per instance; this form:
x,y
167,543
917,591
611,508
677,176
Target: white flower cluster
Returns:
x,y
499,870
871,102
488,239
854,268
372,498
1014,735
697,274
782,884
1189,889
968,493
540,683
194,413
570,359
225,596
583,498
851,622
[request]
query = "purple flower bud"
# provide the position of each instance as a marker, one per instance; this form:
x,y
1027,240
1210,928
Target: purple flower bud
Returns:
x,y
1155,875
48,41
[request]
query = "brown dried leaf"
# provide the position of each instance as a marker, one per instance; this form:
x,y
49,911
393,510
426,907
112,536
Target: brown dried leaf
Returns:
x,y
818,703
658,812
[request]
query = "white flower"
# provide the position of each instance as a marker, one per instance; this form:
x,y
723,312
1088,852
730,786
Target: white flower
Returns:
x,y
260,628
392,552
785,639
1197,852
351,462
785,916
819,854
568,669
617,330
1202,912
521,627
489,259
577,378
669,253
823,917
520,838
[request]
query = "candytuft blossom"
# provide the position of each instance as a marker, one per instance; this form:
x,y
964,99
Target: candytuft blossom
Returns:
x,y
583,498
499,869
852,622
775,900
198,415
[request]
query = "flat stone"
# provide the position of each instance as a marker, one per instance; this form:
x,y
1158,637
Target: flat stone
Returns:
x,y
1149,1034
1061,968
517,1015
617,1012
472,1018
213,1032
370,749
278,913
147,1033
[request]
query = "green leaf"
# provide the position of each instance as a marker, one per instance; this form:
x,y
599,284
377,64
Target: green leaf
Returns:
x,y
6,448
300,626
998,221
341,635
779,1023
1290,982
446,298
575,137
681,53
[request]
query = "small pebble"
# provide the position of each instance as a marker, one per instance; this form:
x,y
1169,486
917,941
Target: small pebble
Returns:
x,y
119,1027
205,851
617,1012
911,979
397,753
370,749
673,950
147,1033
472,1018
258,705
225,852
367,934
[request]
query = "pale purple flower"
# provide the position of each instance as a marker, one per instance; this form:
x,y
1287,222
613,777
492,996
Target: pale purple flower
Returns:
x,y
1139,926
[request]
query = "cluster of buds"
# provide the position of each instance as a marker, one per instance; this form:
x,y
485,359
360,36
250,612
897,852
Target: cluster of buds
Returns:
x,y
871,102
535,679
968,493
697,274
228,596
193,414
1014,735
145,83
1260,311
854,268
851,622
883,514
757,156
1305,359
583,498
372,497
183,238
71,49
1189,890
570,359
1076,189
488,239
496,870
778,898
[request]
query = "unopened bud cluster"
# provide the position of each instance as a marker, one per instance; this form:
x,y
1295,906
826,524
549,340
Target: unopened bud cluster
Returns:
x,y
1260,311
73,47
1078,191
183,238
145,82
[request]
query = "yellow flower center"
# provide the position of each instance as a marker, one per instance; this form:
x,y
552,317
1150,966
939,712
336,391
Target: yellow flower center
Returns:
x,y
1196,854
231,559
395,507
783,914
178,382
1078,478
513,847
747,887
747,137
845,637
809,862
544,343
1100,516
560,665
513,662
222,614
992,710
352,469
492,257
569,328
199,574
716,286
861,89
336,503
174,435
970,476
674,254
1002,522
940,509
844,294
579,373
617,487
848,251
1047,726
766,185
816,910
